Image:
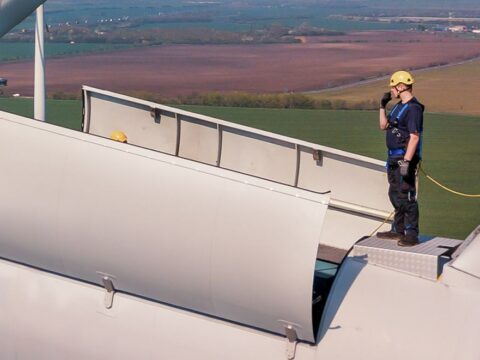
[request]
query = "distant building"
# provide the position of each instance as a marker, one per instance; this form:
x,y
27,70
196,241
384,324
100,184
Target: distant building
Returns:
x,y
301,39
3,82
458,29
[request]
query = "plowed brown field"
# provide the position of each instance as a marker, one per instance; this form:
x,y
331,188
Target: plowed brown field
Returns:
x,y
319,63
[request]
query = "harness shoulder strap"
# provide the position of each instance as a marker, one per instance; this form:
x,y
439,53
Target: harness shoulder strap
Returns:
x,y
392,111
402,111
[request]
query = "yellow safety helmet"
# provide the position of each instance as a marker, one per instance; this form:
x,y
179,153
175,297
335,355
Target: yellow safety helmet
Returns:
x,y
119,136
403,77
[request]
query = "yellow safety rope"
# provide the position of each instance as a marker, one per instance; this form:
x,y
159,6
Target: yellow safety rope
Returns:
x,y
383,223
446,188
436,183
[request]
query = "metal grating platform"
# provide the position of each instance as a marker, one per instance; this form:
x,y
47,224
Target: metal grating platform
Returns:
x,y
425,259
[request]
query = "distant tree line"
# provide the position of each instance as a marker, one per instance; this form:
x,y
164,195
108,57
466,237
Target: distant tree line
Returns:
x,y
289,100
243,99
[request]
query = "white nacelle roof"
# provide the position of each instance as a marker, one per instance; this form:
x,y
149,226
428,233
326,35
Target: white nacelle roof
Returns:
x,y
370,309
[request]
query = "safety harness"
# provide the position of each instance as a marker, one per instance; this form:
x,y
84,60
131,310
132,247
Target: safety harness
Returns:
x,y
393,127
393,124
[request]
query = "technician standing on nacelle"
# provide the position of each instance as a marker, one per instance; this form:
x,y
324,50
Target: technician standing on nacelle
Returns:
x,y
404,126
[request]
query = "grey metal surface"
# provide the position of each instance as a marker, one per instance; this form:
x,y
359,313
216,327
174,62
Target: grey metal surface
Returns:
x,y
424,260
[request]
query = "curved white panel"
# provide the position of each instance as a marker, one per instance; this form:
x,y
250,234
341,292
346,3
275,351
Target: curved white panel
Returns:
x,y
12,12
183,233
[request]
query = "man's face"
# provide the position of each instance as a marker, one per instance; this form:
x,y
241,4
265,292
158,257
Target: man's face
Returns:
x,y
397,90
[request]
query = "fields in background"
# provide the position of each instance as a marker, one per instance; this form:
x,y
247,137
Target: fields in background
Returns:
x,y
450,89
324,61
25,50
451,150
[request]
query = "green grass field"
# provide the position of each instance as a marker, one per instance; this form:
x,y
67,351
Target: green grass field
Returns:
x,y
451,149
25,50
66,113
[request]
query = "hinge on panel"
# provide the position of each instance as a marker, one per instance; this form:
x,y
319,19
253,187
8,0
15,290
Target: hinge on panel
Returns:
x,y
155,113
292,340
110,291
318,156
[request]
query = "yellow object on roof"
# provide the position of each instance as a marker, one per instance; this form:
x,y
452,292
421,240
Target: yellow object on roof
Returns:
x,y
119,136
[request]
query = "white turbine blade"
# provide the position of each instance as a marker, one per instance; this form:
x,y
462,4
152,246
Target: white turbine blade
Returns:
x,y
12,12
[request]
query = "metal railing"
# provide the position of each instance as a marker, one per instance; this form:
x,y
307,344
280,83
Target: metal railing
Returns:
x,y
243,149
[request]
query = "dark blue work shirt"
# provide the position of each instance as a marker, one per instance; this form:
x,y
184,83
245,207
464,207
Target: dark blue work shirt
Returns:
x,y
404,119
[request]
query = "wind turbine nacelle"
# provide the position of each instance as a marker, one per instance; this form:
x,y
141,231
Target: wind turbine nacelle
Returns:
x,y
13,12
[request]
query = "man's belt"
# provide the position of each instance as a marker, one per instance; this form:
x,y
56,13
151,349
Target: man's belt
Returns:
x,y
396,152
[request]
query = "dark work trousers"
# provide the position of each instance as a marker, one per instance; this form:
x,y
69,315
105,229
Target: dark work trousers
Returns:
x,y
403,195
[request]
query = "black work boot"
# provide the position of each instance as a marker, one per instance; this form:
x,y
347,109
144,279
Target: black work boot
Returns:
x,y
408,240
390,235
